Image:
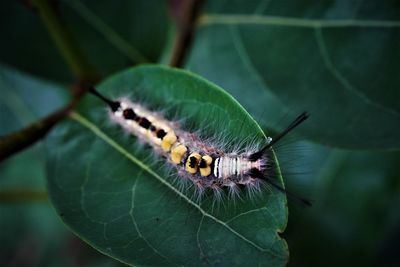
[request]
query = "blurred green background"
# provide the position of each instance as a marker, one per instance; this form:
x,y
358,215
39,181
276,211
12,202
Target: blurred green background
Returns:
x,y
349,168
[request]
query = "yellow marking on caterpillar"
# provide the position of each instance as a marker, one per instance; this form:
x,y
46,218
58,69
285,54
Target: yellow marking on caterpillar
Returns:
x,y
177,153
192,162
168,140
207,159
206,170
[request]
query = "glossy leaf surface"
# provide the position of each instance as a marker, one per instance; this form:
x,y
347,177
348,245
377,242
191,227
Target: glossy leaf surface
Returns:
x,y
338,60
111,36
114,193
32,234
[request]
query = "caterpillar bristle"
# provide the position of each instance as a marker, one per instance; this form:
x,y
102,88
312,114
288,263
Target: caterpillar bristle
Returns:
x,y
114,105
201,167
301,118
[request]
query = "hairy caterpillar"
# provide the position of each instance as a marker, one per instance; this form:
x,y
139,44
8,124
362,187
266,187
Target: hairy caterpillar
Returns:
x,y
206,166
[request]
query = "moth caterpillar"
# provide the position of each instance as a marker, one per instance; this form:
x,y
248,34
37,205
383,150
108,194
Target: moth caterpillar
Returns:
x,y
206,166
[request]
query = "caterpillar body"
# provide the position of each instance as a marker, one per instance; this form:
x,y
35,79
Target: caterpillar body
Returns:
x,y
206,166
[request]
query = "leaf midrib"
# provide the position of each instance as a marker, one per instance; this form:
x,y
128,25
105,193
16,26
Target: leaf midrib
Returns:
x,y
85,122
212,19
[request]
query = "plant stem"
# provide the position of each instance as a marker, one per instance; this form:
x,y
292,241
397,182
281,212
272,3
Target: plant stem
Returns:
x,y
79,66
22,195
185,27
21,139
17,141
64,40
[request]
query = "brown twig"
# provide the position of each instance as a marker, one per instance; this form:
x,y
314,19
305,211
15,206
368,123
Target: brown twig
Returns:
x,y
188,11
17,141
79,66
22,195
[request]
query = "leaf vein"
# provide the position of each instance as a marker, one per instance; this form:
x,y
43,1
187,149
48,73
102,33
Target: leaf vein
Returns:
x,y
136,226
341,78
86,123
243,55
108,33
245,19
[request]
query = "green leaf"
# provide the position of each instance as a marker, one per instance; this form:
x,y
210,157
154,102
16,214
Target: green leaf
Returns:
x,y
115,194
110,35
25,99
338,60
355,212
32,226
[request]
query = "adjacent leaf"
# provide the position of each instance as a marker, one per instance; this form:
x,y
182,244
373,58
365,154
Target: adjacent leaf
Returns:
x,y
113,192
338,60
25,99
106,32
355,212
32,234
